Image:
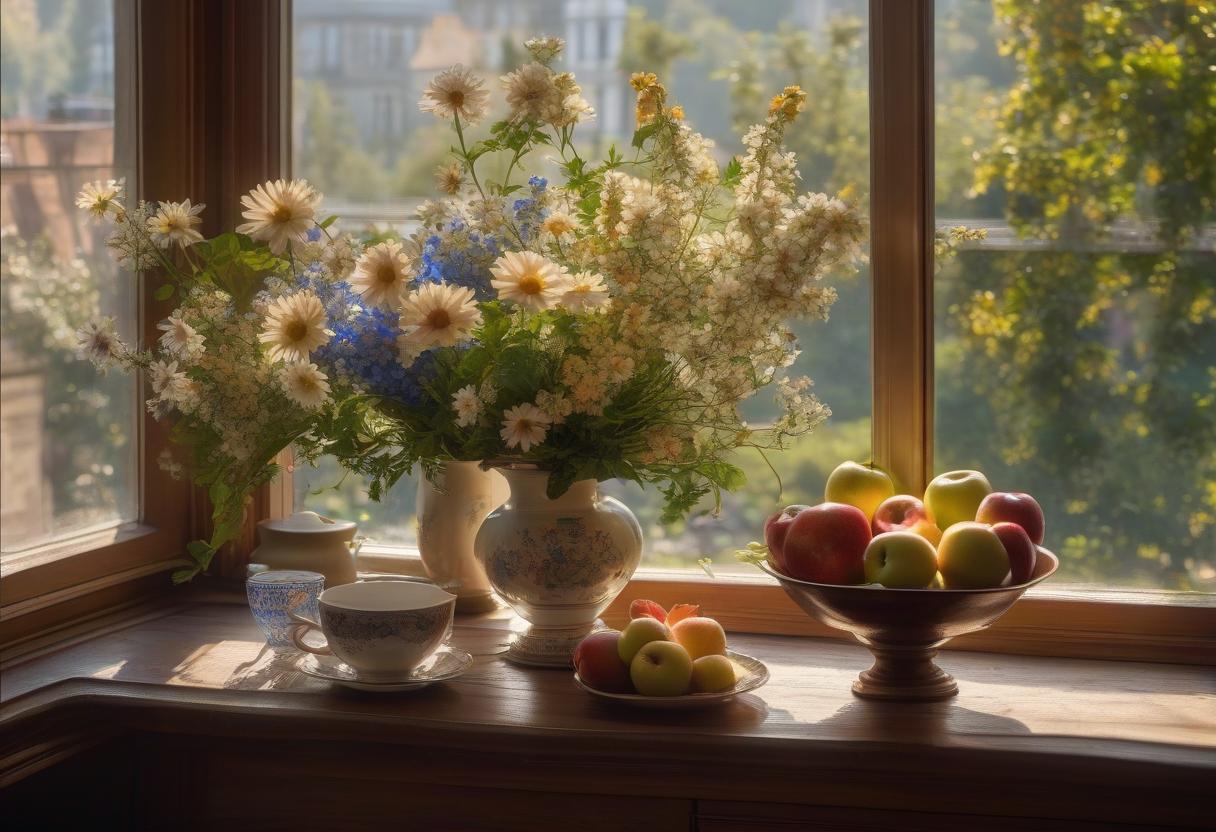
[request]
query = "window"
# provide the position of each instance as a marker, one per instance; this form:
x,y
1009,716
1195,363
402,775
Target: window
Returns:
x,y
1075,342
705,66
68,437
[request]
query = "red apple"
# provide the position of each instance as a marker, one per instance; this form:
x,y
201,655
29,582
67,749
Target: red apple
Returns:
x,y
775,530
598,662
898,514
1021,551
826,544
1013,507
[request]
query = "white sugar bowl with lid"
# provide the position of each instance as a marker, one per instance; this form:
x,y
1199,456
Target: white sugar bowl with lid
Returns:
x,y
308,541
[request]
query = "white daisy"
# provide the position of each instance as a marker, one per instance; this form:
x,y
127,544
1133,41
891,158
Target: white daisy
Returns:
x,y
467,405
280,212
174,223
544,48
529,279
180,338
559,223
455,92
439,314
167,382
294,326
98,341
305,384
532,94
101,197
449,178
381,274
523,426
586,292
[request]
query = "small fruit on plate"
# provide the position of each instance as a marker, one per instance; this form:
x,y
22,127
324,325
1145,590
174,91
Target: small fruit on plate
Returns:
x,y
900,560
1021,551
661,668
1013,507
775,529
638,633
928,530
700,637
711,674
955,496
863,486
598,662
825,544
971,556
898,514
641,608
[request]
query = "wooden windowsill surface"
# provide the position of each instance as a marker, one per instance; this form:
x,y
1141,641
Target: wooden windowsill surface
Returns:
x,y
1027,736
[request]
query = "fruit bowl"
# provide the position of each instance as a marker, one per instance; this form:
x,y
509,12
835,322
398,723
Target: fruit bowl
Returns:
x,y
750,674
904,627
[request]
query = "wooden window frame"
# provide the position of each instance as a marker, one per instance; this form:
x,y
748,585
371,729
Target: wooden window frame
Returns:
x,y
209,125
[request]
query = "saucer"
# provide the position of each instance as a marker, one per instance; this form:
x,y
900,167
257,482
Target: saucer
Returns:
x,y
447,663
750,674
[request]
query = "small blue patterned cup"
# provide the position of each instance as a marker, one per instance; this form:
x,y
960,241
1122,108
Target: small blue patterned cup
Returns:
x,y
272,595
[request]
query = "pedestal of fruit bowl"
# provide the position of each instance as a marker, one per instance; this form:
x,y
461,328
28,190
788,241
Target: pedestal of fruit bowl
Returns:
x,y
903,628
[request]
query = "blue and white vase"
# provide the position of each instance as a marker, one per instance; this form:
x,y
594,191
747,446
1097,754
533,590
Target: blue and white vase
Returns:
x,y
558,563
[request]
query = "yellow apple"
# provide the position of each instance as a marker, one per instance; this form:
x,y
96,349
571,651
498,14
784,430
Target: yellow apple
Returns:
x,y
637,634
711,674
971,556
661,668
900,560
863,486
955,496
700,636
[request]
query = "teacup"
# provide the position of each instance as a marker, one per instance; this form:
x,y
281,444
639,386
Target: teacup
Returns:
x,y
379,627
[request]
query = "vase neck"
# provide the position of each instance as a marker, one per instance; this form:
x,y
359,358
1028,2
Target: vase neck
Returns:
x,y
528,491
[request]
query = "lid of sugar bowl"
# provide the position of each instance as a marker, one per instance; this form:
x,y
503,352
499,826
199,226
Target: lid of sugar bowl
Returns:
x,y
309,522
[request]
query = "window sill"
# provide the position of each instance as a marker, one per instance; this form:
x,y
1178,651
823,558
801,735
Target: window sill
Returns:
x,y
1083,623
1117,744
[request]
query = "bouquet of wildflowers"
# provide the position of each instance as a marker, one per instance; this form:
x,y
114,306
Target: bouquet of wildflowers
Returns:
x,y
607,326
230,369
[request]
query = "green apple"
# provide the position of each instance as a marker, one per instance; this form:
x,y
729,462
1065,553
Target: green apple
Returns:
x,y
971,556
638,633
900,560
711,674
955,496
661,668
863,486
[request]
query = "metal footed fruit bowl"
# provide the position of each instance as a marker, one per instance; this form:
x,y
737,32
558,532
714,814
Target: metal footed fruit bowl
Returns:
x,y
903,628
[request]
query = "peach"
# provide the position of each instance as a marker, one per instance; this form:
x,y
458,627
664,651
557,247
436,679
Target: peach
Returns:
x,y
700,637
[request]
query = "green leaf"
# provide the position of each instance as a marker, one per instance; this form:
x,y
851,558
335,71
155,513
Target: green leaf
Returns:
x,y
732,173
643,133
165,292
328,221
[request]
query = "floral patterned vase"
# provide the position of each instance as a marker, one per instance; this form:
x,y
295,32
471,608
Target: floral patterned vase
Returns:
x,y
558,563
450,511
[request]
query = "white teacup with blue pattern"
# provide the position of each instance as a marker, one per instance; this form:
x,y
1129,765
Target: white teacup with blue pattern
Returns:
x,y
274,594
380,627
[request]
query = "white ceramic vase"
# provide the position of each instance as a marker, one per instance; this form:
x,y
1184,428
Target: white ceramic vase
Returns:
x,y
558,563
450,511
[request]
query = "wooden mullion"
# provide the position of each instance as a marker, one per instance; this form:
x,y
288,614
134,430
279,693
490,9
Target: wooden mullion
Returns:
x,y
901,199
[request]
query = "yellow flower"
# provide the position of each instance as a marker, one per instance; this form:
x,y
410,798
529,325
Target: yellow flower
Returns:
x,y
651,95
295,326
789,103
530,280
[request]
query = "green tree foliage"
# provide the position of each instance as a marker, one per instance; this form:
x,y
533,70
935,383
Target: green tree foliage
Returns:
x,y
1083,357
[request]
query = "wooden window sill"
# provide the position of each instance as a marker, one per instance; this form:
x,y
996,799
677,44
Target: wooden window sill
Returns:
x,y
1027,738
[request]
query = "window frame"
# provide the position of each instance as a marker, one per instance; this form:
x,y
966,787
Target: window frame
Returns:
x,y
195,136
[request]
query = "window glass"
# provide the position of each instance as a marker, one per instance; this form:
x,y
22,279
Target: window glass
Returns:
x,y
722,60
1076,342
67,435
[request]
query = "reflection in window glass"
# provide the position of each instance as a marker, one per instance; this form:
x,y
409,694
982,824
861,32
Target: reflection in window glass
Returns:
x,y
67,436
358,135
1076,342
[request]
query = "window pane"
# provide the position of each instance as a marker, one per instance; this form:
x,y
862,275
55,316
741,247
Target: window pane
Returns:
x,y
68,436
360,138
1076,343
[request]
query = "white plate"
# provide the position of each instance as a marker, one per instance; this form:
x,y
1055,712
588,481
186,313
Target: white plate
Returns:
x,y
447,663
751,674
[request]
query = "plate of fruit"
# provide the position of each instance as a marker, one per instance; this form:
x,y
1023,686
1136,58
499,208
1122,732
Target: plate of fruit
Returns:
x,y
665,659
904,574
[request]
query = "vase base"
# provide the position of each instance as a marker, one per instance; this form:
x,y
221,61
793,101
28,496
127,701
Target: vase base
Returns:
x,y
536,647
474,604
